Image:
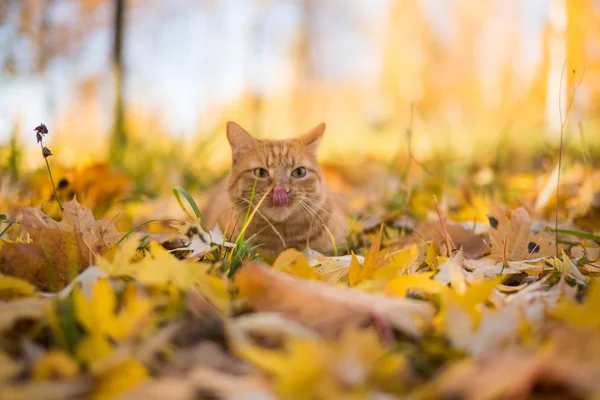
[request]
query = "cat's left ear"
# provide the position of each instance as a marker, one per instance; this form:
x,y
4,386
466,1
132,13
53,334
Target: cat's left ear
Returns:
x,y
312,138
238,137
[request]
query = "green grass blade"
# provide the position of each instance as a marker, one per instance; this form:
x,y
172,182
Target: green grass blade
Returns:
x,y
125,236
190,200
582,235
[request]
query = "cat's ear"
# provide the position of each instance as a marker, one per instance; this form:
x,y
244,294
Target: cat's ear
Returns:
x,y
312,138
238,137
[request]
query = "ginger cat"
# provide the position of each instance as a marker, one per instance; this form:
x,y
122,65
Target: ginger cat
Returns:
x,y
298,212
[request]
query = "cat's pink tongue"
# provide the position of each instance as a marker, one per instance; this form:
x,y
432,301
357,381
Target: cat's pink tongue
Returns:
x,y
280,197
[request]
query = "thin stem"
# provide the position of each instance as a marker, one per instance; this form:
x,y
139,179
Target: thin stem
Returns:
x,y
5,229
53,185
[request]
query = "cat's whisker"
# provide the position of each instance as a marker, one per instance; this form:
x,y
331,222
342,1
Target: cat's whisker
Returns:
x,y
323,207
310,212
260,214
328,210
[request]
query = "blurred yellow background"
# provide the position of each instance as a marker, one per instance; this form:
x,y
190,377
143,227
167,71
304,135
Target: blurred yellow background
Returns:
x,y
137,93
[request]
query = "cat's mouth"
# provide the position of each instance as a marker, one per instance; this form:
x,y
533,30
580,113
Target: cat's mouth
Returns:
x,y
280,197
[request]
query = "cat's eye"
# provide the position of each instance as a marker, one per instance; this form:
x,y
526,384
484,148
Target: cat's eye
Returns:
x,y
261,173
299,172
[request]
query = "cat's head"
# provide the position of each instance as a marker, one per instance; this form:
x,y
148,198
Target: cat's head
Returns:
x,y
288,168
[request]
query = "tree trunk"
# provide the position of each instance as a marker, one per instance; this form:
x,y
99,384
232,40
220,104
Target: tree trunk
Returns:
x,y
119,136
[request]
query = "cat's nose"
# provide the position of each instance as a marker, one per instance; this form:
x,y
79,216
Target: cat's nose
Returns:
x,y
280,197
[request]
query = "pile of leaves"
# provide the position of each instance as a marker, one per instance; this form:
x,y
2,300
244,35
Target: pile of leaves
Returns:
x,y
475,302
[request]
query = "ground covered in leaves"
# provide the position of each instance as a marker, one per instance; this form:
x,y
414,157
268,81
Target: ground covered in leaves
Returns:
x,y
441,295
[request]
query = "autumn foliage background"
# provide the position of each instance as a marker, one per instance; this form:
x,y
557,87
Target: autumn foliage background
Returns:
x,y
456,111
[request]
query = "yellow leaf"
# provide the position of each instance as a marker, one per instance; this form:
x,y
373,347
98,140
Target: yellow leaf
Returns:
x,y
96,314
354,271
469,301
327,369
420,282
582,315
375,260
92,348
399,262
119,379
291,261
121,263
566,266
11,287
134,312
476,210
431,257
55,364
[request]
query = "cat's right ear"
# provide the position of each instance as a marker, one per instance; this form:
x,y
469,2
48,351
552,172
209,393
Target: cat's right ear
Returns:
x,y
238,137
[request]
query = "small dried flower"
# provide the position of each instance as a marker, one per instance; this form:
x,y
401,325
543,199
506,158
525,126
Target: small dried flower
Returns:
x,y
46,152
40,131
41,128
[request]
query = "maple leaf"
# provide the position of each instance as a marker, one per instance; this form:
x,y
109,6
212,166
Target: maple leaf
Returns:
x,y
374,260
292,261
327,369
99,318
58,251
470,300
512,239
161,268
323,307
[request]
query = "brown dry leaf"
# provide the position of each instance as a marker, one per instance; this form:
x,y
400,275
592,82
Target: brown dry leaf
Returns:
x,y
98,235
472,244
28,308
512,239
570,362
58,250
325,308
76,388
201,383
491,377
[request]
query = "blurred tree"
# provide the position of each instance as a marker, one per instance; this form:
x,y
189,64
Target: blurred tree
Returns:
x,y
119,137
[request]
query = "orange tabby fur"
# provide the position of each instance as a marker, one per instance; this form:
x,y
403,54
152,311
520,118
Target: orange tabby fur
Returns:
x,y
310,218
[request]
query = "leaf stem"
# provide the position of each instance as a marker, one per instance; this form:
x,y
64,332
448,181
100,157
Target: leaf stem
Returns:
x,y
51,179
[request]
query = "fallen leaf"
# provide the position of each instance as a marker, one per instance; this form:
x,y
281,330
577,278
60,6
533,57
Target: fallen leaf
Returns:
x,y
422,282
512,239
55,365
327,309
11,287
292,261
58,250
119,379
375,259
